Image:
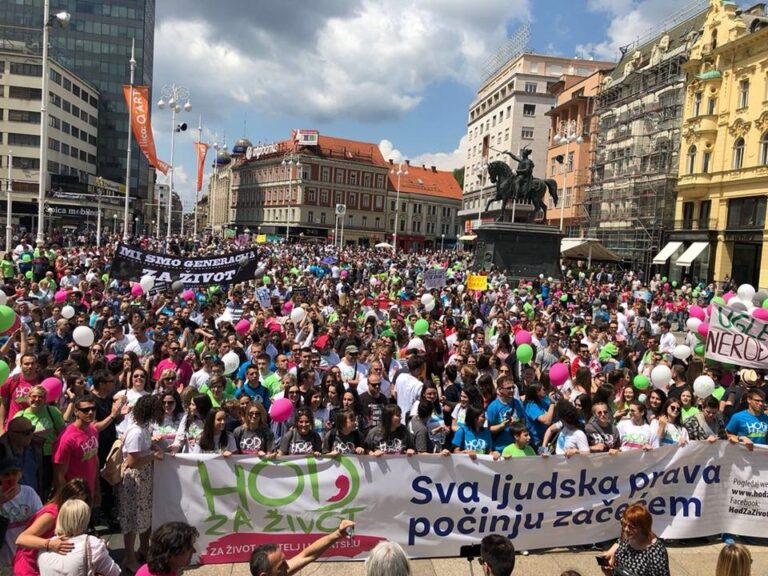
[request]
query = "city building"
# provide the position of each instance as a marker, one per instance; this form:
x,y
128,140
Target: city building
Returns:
x,y
571,145
96,45
509,113
720,225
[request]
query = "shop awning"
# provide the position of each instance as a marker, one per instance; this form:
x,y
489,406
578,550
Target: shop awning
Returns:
x,y
691,254
586,249
666,252
468,237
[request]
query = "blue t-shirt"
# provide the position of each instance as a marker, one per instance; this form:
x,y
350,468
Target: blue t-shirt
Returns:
x,y
532,412
498,412
259,394
467,439
745,423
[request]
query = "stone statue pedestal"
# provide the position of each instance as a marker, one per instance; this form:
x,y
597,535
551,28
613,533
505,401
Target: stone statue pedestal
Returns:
x,y
523,250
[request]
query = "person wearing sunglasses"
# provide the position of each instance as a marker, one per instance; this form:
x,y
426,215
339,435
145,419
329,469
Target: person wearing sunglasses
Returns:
x,y
668,429
77,453
254,436
602,434
17,443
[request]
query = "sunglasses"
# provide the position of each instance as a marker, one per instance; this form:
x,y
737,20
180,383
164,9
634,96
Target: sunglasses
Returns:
x,y
253,414
675,408
169,402
375,385
88,409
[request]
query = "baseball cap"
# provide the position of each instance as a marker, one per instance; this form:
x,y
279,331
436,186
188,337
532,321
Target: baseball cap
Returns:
x,y
351,349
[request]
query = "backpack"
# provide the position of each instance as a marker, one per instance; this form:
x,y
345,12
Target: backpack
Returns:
x,y
114,466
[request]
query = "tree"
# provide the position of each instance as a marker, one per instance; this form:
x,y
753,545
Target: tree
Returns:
x,y
458,174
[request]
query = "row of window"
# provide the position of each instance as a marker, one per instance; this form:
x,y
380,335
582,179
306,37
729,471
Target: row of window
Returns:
x,y
530,87
743,213
737,158
73,109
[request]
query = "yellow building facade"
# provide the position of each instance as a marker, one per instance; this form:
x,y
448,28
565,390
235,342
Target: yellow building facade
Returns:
x,y
720,213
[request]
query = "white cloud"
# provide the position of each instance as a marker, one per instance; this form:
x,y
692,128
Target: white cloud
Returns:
x,y
389,151
441,160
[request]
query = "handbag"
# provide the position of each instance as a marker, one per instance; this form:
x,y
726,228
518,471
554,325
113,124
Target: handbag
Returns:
x,y
114,467
87,560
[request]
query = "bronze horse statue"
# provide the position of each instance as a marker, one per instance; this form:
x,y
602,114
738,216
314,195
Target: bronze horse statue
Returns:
x,y
506,187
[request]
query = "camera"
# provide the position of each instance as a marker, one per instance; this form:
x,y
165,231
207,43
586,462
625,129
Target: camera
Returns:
x,y
470,551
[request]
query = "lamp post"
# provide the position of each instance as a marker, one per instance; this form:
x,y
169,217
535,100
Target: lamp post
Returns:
x,y
99,190
289,160
567,133
400,172
114,224
171,96
442,241
132,63
62,19
9,206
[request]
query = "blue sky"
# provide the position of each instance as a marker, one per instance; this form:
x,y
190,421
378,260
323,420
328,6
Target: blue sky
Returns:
x,y
400,73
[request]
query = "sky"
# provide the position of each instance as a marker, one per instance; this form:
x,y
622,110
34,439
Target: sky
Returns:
x,y
399,73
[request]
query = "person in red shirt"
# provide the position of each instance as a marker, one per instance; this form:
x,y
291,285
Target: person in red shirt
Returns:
x,y
76,453
14,393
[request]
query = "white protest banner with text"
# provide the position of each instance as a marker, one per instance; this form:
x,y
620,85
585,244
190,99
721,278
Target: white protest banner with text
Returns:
x,y
737,337
432,505
434,278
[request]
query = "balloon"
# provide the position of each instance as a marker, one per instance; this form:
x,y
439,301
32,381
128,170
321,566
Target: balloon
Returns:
x,y
524,353
147,283
242,327
7,318
765,304
760,314
674,283
12,329
3,298
259,273
427,298
661,376
281,409
703,386
298,314
727,296
719,300
703,329
60,296
523,337
188,294
421,327
641,382
178,286
231,362
137,290
558,374
54,387
430,306
746,292
26,258
681,352
83,336
737,304
642,398
460,289
757,299
5,371
699,350
67,312
696,312
693,324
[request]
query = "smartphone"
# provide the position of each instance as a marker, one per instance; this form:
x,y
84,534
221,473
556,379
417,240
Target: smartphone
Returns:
x,y
602,561
470,551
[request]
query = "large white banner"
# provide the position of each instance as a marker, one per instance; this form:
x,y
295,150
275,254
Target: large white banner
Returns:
x,y
737,337
432,505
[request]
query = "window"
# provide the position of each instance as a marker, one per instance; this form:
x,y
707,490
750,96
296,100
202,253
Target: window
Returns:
x,y
324,197
378,222
738,154
529,109
711,106
697,104
367,180
352,200
55,76
312,195
402,223
566,198
704,211
55,99
706,158
25,69
339,176
325,174
23,139
24,116
54,122
310,217
392,206
687,215
569,162
531,87
365,221
691,166
23,163
366,202
53,144
526,133
352,178
322,217
744,212
67,84
24,93
764,149
743,93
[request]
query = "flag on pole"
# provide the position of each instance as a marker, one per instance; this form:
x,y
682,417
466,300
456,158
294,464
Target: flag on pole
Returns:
x,y
202,150
142,124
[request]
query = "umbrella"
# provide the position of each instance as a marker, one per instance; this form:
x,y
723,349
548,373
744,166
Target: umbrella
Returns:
x,y
328,260
384,245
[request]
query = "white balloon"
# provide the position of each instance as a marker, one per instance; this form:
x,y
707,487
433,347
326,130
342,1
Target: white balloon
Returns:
x,y
297,315
147,282
746,292
460,288
3,298
642,398
681,352
429,306
67,312
427,298
661,376
693,324
231,362
703,386
83,336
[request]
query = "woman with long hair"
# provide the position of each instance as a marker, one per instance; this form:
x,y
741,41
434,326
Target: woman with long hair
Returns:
x,y
436,423
254,435
639,550
473,437
302,438
539,411
350,400
139,454
137,389
191,425
734,560
656,400
582,382
130,363
173,411
313,399
215,438
635,432
390,436
571,439
344,437
688,407
668,429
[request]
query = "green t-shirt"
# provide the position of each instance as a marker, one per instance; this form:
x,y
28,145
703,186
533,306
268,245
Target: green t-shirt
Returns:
x,y
48,420
515,452
689,412
272,383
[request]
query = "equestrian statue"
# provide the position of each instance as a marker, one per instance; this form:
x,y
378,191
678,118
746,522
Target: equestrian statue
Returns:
x,y
520,185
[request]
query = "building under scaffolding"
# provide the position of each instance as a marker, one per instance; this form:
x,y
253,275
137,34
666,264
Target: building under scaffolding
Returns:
x,y
631,198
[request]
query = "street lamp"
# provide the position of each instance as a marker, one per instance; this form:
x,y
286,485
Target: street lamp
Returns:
x,y
61,19
289,160
171,96
567,133
9,207
114,224
442,241
132,63
400,172
99,190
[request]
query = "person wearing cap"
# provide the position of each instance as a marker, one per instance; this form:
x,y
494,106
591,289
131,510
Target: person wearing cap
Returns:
x,y
323,345
116,340
17,443
18,504
351,369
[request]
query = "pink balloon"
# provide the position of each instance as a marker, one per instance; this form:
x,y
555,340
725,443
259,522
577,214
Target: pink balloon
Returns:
x,y
727,296
523,337
558,374
281,409
760,314
54,387
137,290
60,296
110,357
696,312
243,326
703,329
709,310
188,295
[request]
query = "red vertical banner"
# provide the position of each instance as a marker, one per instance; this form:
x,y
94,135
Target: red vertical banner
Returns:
x,y
142,124
202,149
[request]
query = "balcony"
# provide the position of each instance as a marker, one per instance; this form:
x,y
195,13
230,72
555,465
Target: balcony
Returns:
x,y
699,224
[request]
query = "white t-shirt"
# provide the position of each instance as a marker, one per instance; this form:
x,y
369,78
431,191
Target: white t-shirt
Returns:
x,y
18,511
137,440
408,390
385,387
571,438
634,437
141,349
73,563
673,434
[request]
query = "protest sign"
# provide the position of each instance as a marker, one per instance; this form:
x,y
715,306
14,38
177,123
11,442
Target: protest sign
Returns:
x,y
432,506
736,337
477,282
263,297
131,263
302,291
434,278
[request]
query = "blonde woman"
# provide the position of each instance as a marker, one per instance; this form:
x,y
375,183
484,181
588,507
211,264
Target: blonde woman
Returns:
x,y
89,554
734,560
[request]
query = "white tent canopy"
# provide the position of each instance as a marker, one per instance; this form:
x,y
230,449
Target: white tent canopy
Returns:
x,y
666,252
586,249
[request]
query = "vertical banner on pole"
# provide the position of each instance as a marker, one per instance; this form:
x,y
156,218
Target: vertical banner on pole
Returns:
x,y
202,150
142,125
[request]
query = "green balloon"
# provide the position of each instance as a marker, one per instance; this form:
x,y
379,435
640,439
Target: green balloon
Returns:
x,y
524,353
719,300
674,283
26,258
564,298
663,278
4,371
7,318
765,303
699,350
421,327
28,274
199,347
267,280
641,382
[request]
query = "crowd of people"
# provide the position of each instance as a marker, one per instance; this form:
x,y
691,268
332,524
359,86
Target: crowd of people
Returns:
x,y
332,352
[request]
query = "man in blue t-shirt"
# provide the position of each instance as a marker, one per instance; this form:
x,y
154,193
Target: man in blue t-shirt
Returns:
x,y
503,412
750,426
252,387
